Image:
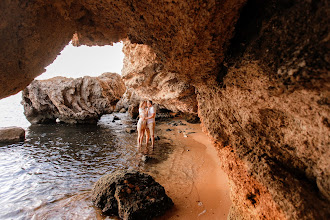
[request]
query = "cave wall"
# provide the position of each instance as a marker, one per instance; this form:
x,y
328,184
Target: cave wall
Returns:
x,y
192,32
268,112
32,35
145,73
259,70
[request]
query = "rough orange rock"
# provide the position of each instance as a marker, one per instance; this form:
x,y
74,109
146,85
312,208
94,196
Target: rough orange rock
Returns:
x,y
260,73
144,73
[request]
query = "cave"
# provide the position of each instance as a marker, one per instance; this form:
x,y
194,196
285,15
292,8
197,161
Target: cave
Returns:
x,y
256,73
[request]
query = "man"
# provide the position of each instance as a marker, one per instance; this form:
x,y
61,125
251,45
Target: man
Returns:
x,y
151,123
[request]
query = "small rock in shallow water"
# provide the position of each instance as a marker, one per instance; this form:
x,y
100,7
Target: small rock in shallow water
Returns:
x,y
12,134
123,110
116,118
144,158
147,200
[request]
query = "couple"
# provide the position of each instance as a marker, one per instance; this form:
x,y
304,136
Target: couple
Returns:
x,y
146,123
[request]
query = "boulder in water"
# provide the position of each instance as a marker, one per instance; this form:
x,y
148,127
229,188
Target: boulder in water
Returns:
x,y
130,195
81,100
12,134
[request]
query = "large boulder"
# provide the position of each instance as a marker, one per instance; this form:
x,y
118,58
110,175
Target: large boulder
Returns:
x,y
130,195
11,134
81,100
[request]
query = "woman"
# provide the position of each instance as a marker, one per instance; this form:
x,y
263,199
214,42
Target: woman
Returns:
x,y
151,123
142,123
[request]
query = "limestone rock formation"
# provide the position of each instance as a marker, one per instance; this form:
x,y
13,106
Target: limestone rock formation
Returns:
x,y
130,195
150,81
11,134
189,35
81,100
130,98
268,112
259,69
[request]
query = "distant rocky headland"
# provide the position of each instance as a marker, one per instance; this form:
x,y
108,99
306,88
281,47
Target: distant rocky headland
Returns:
x,y
81,100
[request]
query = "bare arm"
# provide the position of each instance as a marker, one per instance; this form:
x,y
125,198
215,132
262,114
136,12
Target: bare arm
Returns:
x,y
152,116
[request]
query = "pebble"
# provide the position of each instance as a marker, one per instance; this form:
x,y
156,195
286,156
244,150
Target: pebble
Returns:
x,y
168,129
130,130
185,135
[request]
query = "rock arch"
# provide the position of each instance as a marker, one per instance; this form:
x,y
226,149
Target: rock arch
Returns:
x,y
262,92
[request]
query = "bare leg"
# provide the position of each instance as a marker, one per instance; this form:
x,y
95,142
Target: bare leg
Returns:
x,y
141,138
152,132
147,136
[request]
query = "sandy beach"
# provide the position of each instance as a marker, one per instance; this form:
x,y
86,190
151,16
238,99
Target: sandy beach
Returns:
x,y
191,175
184,162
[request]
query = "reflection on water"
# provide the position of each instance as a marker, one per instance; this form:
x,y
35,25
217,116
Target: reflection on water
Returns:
x,y
61,161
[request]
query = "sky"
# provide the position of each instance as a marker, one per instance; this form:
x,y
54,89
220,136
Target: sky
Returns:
x,y
85,61
71,62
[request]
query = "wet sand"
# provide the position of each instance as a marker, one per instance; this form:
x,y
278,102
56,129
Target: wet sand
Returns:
x,y
191,175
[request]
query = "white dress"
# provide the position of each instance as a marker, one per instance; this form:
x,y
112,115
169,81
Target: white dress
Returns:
x,y
142,123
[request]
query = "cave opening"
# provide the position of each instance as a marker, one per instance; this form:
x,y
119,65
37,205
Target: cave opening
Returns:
x,y
71,62
78,61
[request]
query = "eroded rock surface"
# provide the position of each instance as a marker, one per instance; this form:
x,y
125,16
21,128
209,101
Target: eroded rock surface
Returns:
x,y
130,195
81,100
269,112
11,134
145,74
188,36
129,102
262,84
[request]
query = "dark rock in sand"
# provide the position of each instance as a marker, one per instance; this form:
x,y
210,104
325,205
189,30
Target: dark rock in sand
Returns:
x,y
130,130
116,118
12,134
181,123
168,129
157,138
130,195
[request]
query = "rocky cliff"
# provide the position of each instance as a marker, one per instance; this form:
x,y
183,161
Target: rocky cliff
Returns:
x,y
268,111
143,72
259,69
81,100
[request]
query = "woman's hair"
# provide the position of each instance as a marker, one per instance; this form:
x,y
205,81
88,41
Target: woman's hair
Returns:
x,y
150,102
141,104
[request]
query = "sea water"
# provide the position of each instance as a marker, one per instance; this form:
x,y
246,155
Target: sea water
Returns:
x,y
57,164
